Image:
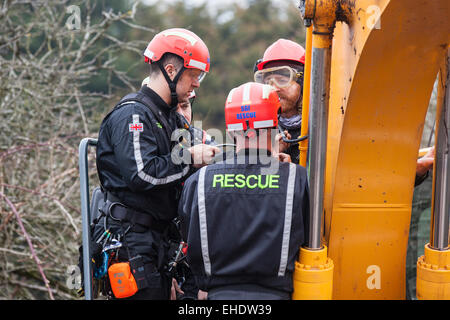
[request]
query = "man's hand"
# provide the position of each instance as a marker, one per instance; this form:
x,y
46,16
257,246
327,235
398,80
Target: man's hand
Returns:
x,y
283,157
175,288
203,154
280,145
202,295
425,163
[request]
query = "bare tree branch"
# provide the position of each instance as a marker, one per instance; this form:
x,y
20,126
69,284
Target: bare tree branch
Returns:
x,y
30,244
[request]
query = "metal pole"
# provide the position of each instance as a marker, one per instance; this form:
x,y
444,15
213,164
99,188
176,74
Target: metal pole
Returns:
x,y
85,213
318,130
441,196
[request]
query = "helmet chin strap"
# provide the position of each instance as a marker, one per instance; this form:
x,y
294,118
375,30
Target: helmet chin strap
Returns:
x,y
172,83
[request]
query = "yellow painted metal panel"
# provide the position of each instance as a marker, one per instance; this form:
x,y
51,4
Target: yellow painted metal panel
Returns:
x,y
381,82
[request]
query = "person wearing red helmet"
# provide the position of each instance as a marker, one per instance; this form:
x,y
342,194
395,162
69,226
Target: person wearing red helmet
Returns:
x,y
282,67
190,61
135,162
243,220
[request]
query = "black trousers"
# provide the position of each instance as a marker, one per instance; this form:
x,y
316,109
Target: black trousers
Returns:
x,y
246,292
150,245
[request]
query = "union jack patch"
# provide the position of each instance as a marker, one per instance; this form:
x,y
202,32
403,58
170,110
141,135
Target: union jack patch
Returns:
x,y
136,127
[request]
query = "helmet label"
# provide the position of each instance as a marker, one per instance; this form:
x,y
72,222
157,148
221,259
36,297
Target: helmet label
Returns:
x,y
246,115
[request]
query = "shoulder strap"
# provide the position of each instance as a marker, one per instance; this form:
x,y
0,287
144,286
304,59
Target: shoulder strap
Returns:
x,y
146,101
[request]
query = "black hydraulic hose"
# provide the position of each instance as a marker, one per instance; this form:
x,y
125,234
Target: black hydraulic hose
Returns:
x,y
285,139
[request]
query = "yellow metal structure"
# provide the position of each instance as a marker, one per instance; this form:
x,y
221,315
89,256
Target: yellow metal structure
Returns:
x,y
384,63
303,146
313,276
433,275
385,58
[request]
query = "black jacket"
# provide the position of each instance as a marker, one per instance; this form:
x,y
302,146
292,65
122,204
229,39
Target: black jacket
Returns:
x,y
134,157
242,225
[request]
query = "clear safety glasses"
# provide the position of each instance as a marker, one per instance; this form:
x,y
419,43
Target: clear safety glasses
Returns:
x,y
201,76
278,76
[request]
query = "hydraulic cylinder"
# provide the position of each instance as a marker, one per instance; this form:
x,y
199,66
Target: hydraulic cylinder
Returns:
x,y
313,276
433,268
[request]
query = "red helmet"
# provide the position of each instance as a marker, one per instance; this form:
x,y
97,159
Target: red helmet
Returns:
x,y
252,106
183,43
282,49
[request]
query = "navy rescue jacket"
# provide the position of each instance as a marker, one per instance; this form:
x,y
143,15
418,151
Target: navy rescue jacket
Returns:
x,y
134,156
244,224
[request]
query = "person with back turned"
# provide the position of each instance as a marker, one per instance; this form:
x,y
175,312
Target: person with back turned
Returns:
x,y
245,218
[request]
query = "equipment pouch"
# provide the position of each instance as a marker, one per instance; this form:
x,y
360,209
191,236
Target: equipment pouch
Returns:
x,y
138,270
123,284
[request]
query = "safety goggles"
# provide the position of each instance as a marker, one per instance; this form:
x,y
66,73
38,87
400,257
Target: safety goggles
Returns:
x,y
278,76
201,76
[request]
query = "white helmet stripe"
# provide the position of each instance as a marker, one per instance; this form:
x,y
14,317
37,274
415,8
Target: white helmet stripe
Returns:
x,y
180,34
266,91
246,94
230,95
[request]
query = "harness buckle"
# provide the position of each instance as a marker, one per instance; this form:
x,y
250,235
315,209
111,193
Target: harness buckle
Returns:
x,y
110,210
